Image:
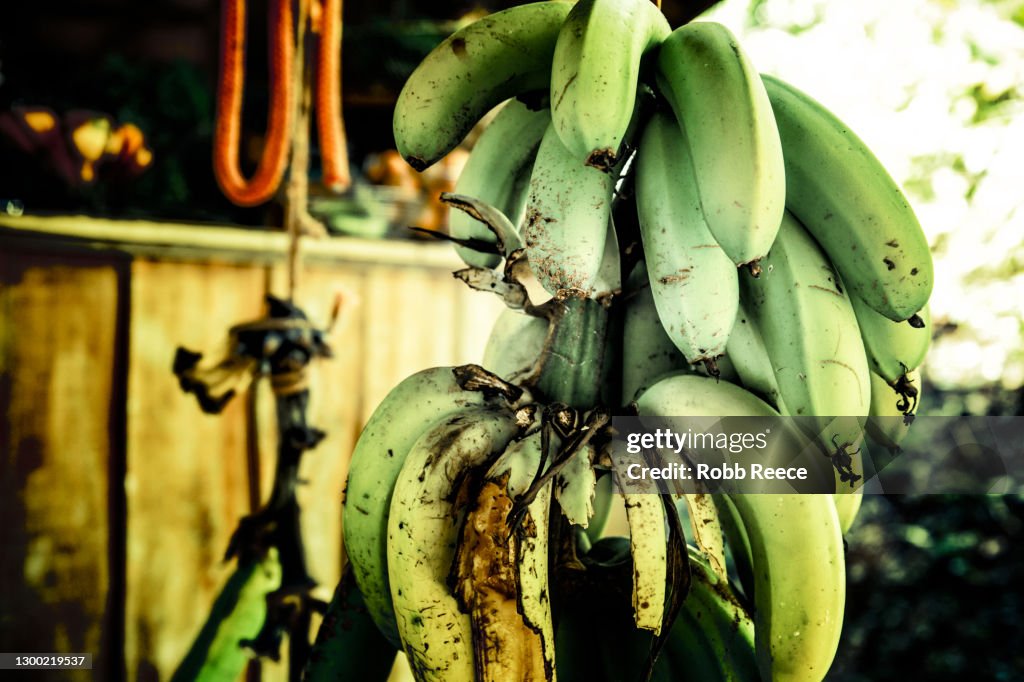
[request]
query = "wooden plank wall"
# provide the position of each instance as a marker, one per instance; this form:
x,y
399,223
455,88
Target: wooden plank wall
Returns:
x,y
132,579
187,474
58,391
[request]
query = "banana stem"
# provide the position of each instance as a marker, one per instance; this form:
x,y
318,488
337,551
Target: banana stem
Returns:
x,y
574,367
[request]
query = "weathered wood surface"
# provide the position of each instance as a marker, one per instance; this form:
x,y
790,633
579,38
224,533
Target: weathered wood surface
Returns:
x,y
187,477
58,431
187,474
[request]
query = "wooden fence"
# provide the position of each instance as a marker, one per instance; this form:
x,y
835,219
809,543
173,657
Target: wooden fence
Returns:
x,y
117,495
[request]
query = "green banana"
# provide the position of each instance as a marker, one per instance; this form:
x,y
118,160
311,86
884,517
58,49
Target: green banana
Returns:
x,y
238,613
688,652
738,543
693,281
720,101
846,199
811,335
595,73
515,344
894,348
755,370
423,529
349,646
726,626
750,361
505,149
813,341
796,545
401,418
567,215
609,274
647,351
694,395
472,71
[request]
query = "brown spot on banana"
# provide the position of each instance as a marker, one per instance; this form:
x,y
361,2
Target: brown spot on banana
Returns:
x,y
505,646
603,160
682,276
459,48
825,289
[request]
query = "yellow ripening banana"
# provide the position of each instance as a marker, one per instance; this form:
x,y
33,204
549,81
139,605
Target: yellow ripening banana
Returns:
x,y
648,544
526,636
706,529
796,545
401,418
423,530
568,210
503,151
846,199
576,486
515,344
647,351
694,283
475,69
720,101
894,348
887,425
595,73
500,573
811,335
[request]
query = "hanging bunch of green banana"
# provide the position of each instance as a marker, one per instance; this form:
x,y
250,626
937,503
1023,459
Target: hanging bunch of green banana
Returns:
x,y
711,243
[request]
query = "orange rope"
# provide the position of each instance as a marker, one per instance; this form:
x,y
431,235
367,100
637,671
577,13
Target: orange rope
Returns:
x,y
230,88
330,124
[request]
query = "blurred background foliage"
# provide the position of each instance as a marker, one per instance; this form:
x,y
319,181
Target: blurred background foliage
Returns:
x,y
936,88
934,590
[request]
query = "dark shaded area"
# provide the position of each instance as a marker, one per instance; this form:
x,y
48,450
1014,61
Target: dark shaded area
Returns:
x,y
934,590
154,64
935,583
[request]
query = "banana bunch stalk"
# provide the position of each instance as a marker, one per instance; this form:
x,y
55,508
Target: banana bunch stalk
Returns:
x,y
707,242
